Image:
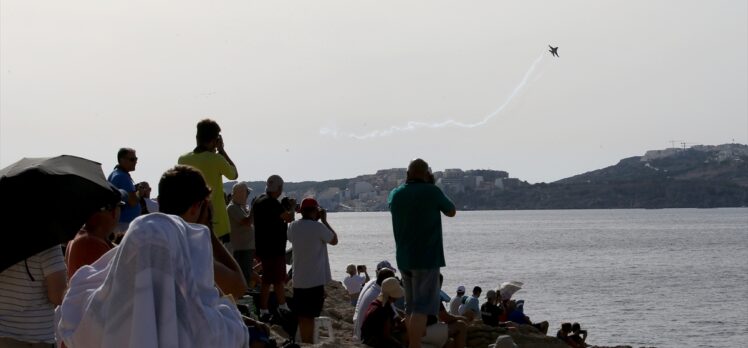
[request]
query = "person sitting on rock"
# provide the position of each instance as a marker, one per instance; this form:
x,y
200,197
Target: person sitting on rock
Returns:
x,y
376,330
368,295
454,304
355,281
578,335
517,315
489,311
471,308
563,334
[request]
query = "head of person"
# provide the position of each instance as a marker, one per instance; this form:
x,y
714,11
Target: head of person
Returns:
x,y
460,290
576,327
183,191
566,327
477,291
383,274
239,193
391,290
103,221
310,209
350,269
385,264
491,296
274,186
418,170
144,189
208,133
126,159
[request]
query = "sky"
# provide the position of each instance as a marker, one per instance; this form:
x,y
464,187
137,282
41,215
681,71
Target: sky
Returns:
x,y
308,89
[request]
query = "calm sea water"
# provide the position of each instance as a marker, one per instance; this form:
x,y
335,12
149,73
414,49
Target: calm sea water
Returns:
x,y
665,278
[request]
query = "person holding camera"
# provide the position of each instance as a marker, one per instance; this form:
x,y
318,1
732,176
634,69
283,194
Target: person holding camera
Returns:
x,y
355,281
211,159
416,207
309,238
271,220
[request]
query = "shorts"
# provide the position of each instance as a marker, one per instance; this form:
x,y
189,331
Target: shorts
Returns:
x,y
273,269
308,302
421,291
245,259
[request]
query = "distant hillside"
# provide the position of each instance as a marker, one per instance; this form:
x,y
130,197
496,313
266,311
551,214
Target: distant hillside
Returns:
x,y
698,177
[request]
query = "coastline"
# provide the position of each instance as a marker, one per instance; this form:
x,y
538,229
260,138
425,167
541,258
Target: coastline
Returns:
x,y
339,310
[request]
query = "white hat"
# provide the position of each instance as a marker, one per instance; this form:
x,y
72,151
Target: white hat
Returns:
x,y
503,341
391,289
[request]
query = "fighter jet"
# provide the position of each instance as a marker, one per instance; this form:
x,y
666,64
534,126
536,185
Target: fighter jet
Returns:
x,y
553,50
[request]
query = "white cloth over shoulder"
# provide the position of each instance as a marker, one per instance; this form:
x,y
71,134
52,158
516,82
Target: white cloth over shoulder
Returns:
x,y
156,289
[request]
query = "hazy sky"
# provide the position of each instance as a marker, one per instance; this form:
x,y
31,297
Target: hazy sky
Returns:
x,y
88,77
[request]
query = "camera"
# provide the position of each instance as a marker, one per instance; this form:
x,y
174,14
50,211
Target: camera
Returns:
x,y
289,204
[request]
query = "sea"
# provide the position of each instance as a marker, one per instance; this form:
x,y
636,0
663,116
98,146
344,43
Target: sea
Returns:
x,y
661,277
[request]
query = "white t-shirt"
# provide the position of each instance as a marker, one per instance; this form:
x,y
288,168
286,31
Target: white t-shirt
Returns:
x,y
354,283
370,292
454,305
311,265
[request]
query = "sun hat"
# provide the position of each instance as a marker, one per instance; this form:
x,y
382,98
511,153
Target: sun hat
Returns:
x,y
503,341
391,289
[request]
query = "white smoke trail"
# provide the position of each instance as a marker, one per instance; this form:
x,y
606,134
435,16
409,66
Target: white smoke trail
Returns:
x,y
413,125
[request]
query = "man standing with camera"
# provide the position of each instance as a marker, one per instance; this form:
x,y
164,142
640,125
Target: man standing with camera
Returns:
x,y
311,264
210,157
416,222
271,224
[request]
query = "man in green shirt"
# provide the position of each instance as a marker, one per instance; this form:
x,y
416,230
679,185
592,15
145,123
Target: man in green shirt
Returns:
x,y
417,226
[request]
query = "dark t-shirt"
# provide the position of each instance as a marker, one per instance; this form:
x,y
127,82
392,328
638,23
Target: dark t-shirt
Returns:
x,y
490,313
377,315
416,223
270,229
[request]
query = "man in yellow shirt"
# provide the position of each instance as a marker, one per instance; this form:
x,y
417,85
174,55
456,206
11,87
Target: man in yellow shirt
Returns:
x,y
211,159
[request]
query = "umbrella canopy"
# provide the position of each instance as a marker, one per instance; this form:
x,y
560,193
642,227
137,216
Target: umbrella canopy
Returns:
x,y
508,289
45,201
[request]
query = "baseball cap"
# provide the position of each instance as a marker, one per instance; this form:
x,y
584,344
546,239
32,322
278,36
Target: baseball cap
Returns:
x,y
309,202
385,264
461,288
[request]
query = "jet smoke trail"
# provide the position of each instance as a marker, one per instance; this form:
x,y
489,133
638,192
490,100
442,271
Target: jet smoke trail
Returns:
x,y
413,125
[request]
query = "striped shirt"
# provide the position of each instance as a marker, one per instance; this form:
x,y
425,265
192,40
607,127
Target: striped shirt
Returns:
x,y
25,311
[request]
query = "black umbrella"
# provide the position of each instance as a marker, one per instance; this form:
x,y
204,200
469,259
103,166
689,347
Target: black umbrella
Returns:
x,y
45,201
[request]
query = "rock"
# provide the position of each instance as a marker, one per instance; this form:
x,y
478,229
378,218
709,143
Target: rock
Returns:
x,y
339,309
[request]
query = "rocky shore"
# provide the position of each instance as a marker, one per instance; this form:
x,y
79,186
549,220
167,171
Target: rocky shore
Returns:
x,y
340,311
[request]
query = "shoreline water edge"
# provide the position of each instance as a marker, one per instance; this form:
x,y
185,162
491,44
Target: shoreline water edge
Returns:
x,y
337,307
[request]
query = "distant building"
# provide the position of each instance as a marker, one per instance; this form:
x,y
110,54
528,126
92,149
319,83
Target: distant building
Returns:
x,y
499,183
362,187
